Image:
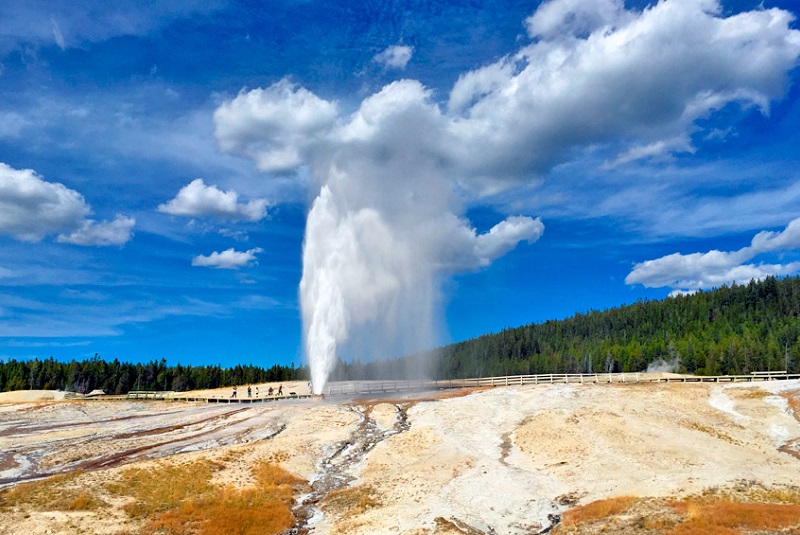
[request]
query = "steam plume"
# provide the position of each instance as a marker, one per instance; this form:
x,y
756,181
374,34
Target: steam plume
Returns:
x,y
388,180
384,227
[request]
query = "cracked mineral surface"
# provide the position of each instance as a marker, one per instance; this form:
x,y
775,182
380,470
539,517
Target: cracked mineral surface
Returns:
x,y
507,460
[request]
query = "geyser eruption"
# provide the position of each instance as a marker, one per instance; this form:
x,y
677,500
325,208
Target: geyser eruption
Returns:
x,y
382,230
388,180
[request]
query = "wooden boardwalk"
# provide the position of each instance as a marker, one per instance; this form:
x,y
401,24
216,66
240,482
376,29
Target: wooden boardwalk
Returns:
x,y
376,387
187,396
345,388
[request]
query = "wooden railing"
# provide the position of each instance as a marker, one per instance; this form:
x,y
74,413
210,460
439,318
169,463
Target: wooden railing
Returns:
x,y
374,387
169,395
337,388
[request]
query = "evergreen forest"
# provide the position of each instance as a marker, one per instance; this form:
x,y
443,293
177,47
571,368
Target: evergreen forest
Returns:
x,y
734,329
117,377
730,330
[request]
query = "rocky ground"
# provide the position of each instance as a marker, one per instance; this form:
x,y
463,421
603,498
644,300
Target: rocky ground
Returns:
x,y
507,460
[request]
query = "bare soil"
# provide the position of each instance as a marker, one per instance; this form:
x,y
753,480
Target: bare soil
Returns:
x,y
507,460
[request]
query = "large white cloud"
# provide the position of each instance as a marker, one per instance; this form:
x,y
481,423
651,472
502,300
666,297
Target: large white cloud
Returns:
x,y
596,74
32,208
274,126
574,18
599,74
197,199
227,259
716,268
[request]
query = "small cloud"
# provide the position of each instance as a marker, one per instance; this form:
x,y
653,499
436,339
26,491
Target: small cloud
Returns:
x,y
117,232
679,293
238,235
719,134
663,149
505,235
58,36
197,200
395,57
228,259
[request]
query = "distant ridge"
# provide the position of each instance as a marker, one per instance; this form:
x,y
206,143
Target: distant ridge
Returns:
x,y
734,329
729,330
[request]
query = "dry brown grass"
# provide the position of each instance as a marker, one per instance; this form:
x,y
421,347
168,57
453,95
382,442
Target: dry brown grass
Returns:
x,y
163,487
731,517
351,501
56,493
711,431
747,393
597,510
180,500
743,508
749,492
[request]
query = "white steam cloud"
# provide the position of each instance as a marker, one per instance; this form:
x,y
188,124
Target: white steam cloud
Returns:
x,y
390,178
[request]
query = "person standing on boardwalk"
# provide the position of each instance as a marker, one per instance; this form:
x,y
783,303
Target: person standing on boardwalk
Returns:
x,y
256,391
233,394
249,391
280,390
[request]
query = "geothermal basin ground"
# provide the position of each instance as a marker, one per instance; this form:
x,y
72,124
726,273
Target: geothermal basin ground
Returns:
x,y
615,458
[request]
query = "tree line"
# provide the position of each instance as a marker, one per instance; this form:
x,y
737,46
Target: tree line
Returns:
x,y
115,377
730,330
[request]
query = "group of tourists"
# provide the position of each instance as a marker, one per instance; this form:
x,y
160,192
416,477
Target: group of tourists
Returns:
x,y
270,392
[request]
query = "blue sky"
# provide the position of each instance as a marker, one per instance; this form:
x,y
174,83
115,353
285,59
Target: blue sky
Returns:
x,y
158,164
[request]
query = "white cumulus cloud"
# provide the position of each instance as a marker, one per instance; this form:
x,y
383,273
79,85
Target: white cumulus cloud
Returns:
x,y
196,199
716,268
117,232
274,126
32,208
227,259
395,57
574,18
598,74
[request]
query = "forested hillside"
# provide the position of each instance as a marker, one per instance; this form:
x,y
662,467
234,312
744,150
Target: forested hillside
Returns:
x,y
729,330
120,377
